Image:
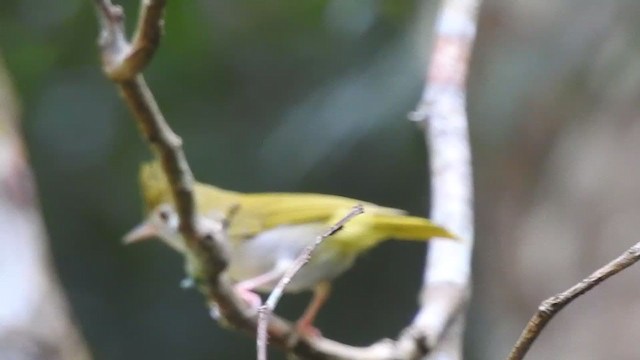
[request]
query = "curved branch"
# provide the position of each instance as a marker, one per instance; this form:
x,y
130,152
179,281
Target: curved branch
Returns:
x,y
553,305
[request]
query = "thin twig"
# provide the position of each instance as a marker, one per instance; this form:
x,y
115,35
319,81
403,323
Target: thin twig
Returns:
x,y
266,310
553,305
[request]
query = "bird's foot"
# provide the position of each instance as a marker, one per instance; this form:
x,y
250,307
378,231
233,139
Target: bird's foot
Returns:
x,y
254,300
306,328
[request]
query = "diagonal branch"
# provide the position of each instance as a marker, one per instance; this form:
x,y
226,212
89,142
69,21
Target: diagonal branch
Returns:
x,y
553,305
122,63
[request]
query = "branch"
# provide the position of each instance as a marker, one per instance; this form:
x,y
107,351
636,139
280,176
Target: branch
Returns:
x,y
123,63
446,287
272,301
553,305
123,60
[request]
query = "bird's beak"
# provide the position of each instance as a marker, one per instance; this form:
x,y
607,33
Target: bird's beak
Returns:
x,y
144,231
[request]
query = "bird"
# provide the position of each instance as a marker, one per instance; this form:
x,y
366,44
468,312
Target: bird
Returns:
x,y
268,231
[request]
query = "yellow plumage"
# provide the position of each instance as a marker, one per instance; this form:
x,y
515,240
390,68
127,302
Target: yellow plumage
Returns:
x,y
258,212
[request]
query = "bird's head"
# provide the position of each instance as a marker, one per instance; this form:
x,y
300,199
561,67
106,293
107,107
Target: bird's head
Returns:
x,y
162,223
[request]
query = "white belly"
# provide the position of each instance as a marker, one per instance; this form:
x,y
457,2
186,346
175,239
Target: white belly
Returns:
x,y
279,247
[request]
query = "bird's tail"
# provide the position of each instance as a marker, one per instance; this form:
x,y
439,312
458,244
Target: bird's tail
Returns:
x,y
370,229
403,227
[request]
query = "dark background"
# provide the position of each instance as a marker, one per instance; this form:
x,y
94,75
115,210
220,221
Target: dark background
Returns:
x,y
312,96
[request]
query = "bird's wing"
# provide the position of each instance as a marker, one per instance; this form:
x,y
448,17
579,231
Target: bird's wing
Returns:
x,y
260,212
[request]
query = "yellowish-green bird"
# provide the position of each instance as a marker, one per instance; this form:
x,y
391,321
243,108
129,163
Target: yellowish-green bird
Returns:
x,y
268,231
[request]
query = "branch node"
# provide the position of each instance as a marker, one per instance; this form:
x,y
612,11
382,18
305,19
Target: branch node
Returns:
x,y
547,306
422,113
121,60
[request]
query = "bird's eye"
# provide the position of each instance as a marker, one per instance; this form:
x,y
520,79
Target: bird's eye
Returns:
x,y
164,216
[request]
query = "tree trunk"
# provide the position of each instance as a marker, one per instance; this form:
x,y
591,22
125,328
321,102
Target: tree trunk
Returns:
x,y
35,322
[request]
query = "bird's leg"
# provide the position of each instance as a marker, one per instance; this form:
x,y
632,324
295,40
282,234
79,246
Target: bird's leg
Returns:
x,y
321,293
245,288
